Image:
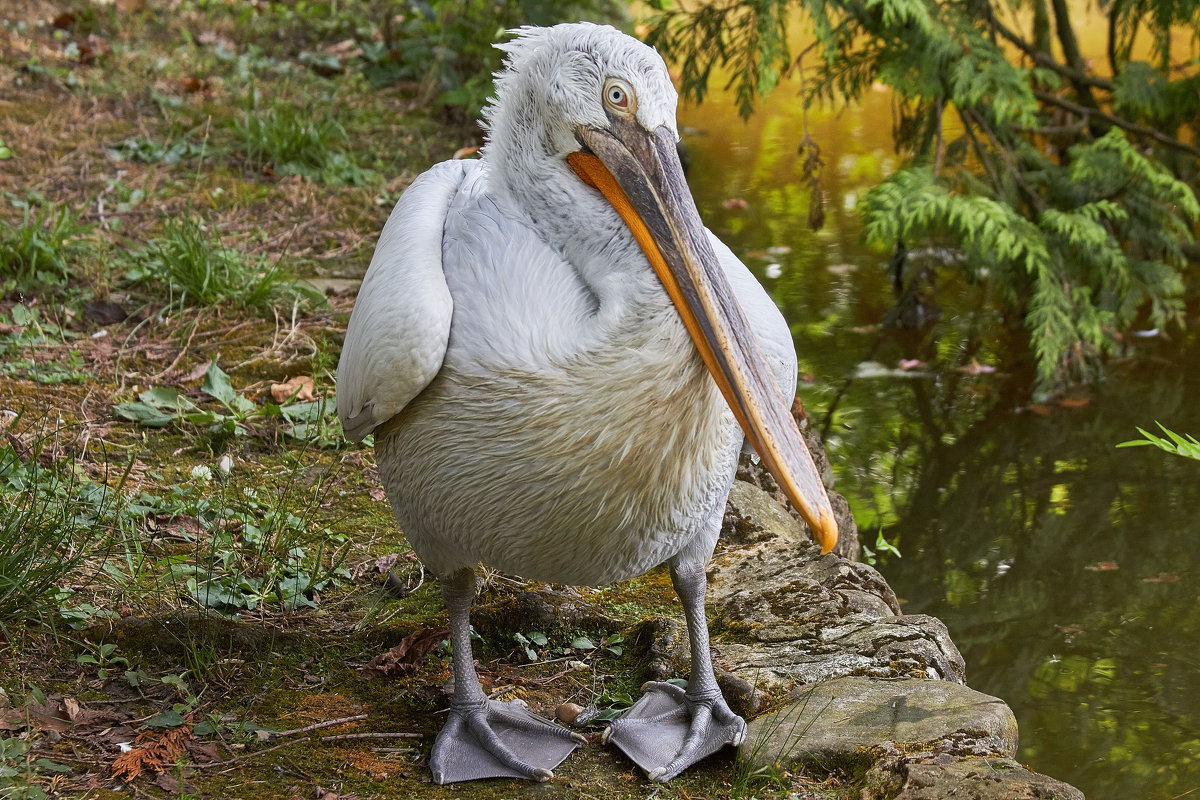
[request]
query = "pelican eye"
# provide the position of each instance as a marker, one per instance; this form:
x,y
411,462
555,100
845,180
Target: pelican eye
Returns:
x,y
618,95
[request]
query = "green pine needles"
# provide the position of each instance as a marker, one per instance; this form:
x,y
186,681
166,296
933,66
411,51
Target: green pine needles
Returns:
x,y
1067,191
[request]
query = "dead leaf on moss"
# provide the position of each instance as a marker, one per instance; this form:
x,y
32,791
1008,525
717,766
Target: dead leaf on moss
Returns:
x,y
58,713
407,656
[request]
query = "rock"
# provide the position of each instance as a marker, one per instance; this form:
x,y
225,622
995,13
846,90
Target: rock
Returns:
x,y
751,470
666,643
944,776
844,723
786,614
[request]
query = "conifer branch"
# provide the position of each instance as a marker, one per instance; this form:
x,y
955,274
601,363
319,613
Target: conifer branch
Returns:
x,y
1044,59
1124,124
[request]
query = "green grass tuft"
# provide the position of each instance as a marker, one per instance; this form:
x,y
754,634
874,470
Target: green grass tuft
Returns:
x,y
289,140
51,522
199,271
42,249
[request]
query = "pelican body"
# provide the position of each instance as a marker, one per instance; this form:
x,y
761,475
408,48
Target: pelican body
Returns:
x,y
561,365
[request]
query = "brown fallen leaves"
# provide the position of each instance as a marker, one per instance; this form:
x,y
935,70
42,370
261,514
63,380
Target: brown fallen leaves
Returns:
x,y
406,657
153,751
57,713
298,389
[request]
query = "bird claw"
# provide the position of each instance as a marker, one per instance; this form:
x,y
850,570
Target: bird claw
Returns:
x,y
484,740
667,731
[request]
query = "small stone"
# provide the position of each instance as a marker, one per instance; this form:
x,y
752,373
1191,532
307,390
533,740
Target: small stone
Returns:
x,y
567,713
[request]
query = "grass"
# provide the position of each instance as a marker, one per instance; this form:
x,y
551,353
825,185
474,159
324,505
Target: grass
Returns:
x,y
286,139
41,248
189,260
53,525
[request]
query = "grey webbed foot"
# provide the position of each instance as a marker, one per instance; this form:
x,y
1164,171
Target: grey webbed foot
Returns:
x,y
499,739
667,730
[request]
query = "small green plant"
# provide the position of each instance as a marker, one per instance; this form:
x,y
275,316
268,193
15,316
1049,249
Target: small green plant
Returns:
x,y
288,140
42,249
312,421
104,658
19,771
51,522
882,546
149,151
1180,445
67,370
199,271
247,549
537,646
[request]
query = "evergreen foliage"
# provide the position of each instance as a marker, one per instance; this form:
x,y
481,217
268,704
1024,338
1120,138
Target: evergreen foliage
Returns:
x,y
1067,190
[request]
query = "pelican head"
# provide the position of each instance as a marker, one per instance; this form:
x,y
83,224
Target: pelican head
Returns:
x,y
587,103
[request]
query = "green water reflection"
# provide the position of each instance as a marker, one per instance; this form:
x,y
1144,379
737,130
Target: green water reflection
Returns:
x,y
1066,569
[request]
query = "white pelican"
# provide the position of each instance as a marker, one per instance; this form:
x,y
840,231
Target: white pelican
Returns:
x,y
535,345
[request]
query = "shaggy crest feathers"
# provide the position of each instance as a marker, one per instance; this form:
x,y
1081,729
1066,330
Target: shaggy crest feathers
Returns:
x,y
552,81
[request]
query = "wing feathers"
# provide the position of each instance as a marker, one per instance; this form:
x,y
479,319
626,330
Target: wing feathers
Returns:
x,y
400,325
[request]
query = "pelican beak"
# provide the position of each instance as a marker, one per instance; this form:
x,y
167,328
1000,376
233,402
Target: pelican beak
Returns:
x,y
640,175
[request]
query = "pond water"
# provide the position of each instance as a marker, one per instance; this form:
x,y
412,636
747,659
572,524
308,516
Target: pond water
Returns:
x,y
1065,568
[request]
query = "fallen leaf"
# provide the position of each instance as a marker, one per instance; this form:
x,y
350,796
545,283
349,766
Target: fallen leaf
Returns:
x,y
384,564
197,372
92,48
104,312
463,152
1040,410
405,657
298,389
203,752
171,783
1073,402
734,204
193,84
1102,566
1162,577
58,713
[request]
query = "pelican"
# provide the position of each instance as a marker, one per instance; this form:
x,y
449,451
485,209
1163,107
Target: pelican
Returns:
x,y
560,366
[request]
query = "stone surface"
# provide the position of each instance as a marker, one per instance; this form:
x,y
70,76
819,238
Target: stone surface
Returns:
x,y
787,614
846,721
943,776
751,471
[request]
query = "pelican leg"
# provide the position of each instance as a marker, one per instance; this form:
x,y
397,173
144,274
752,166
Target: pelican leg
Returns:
x,y
489,738
669,729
